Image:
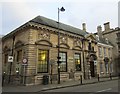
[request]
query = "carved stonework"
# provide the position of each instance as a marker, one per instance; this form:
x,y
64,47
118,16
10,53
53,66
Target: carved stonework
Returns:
x,y
6,49
63,39
77,42
44,35
18,44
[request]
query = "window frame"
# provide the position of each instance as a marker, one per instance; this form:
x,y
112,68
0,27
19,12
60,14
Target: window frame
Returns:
x,y
65,60
46,61
80,61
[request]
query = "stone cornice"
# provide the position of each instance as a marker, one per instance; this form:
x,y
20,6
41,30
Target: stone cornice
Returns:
x,y
40,27
54,30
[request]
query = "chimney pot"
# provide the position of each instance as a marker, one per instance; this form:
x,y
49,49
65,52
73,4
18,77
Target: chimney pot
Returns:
x,y
107,26
99,31
99,28
84,26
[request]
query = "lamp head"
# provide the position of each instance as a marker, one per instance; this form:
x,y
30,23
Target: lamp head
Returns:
x,y
62,9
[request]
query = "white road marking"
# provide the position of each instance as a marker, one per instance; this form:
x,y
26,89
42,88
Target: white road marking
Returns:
x,y
105,90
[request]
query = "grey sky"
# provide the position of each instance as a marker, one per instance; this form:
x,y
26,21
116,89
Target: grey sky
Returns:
x,y
92,12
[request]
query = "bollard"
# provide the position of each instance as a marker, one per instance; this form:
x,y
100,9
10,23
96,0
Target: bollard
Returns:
x,y
119,75
81,79
110,76
3,78
98,78
51,79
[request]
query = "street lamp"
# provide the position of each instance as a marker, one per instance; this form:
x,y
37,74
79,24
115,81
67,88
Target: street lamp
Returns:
x,y
62,10
83,57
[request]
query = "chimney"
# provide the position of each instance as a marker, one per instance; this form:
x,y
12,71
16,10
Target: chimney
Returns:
x,y
99,31
84,26
107,26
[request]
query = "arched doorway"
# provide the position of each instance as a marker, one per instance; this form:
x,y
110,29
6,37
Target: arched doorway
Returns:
x,y
92,58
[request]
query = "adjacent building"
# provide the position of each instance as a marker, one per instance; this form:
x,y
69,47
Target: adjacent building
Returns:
x,y
110,34
118,42
104,54
0,60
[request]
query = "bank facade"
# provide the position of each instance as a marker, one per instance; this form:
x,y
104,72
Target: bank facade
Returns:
x,y
36,44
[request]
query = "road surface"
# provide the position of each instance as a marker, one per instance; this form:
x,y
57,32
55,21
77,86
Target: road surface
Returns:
x,y
108,86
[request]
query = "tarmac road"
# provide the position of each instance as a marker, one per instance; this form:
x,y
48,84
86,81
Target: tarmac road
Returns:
x,y
108,86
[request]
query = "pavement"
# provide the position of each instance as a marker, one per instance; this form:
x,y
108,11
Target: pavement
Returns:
x,y
39,88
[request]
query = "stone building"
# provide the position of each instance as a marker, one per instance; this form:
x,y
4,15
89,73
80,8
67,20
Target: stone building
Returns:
x,y
110,34
36,42
0,61
104,54
118,42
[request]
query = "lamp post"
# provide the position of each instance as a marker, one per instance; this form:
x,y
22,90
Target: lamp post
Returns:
x,y
58,58
83,58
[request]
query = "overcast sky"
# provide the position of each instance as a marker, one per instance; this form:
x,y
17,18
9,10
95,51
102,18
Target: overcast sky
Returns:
x,y
92,12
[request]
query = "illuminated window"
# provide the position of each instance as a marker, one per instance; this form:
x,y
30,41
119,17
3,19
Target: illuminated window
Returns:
x,y
77,62
42,61
63,64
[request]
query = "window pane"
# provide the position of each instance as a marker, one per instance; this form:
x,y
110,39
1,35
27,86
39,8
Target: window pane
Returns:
x,y
63,65
77,62
42,61
106,67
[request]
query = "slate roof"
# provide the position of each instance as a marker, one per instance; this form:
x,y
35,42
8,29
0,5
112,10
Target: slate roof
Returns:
x,y
52,23
103,41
